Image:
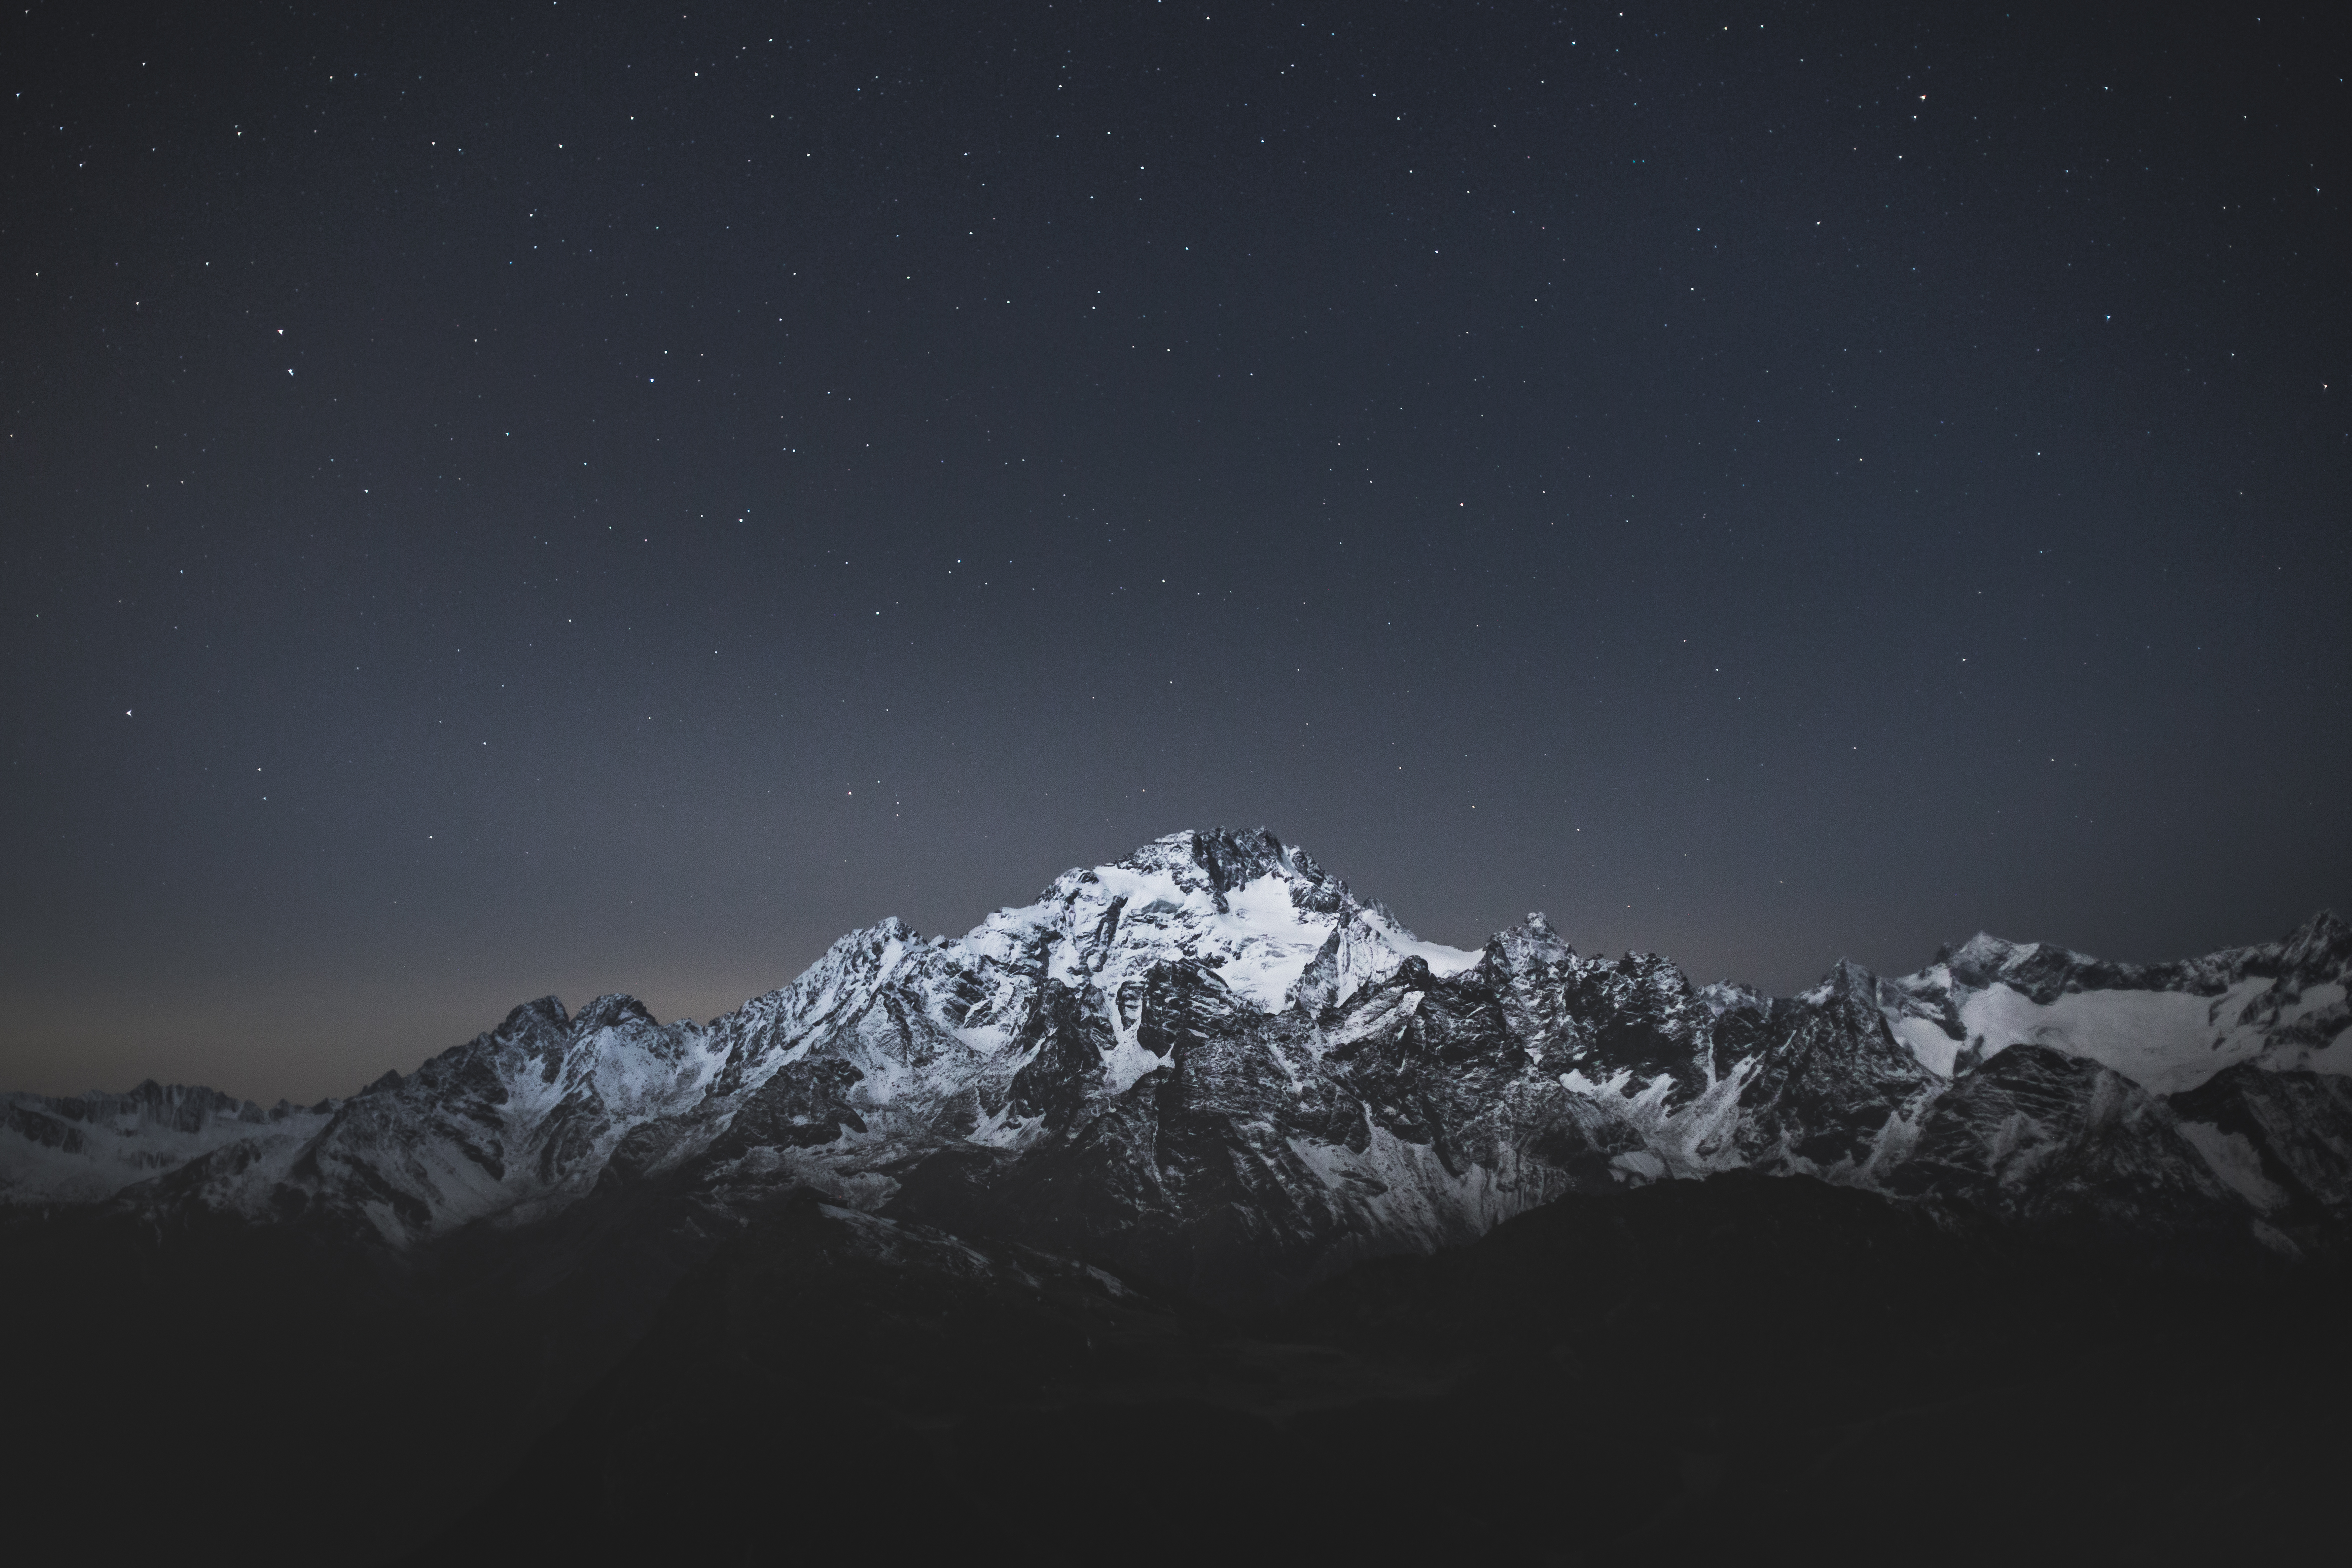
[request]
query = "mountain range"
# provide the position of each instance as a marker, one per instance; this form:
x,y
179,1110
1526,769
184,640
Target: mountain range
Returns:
x,y
1213,1067
1196,1171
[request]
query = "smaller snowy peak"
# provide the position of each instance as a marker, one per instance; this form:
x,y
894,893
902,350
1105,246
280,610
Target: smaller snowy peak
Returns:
x,y
2318,951
1846,982
2030,967
1731,996
82,1149
529,1018
505,1128
610,1013
1644,974
845,977
163,1107
2167,1026
1529,948
2044,971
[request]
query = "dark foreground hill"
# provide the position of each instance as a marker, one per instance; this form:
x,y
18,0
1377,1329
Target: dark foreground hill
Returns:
x,y
1692,1372
1685,1372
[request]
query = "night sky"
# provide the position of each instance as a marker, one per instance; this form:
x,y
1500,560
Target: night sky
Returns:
x,y
597,497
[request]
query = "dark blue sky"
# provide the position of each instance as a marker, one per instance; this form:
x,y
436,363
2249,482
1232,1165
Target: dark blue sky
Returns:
x,y
583,500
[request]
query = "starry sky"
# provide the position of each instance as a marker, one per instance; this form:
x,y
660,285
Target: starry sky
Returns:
x,y
580,497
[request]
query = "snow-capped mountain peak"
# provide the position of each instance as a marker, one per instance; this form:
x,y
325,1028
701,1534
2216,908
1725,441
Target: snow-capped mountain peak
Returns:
x,y
1257,911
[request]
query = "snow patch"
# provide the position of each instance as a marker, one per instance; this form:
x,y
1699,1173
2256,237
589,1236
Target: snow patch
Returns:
x,y
2165,1042
1928,1041
2335,1057
1638,1165
1576,1083
2235,1161
1125,1064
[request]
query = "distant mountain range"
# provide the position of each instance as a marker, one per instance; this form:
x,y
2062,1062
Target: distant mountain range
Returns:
x,y
1197,1205
1213,1068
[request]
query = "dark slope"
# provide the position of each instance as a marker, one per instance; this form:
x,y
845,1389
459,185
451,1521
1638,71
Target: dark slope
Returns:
x,y
223,1387
1691,1372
